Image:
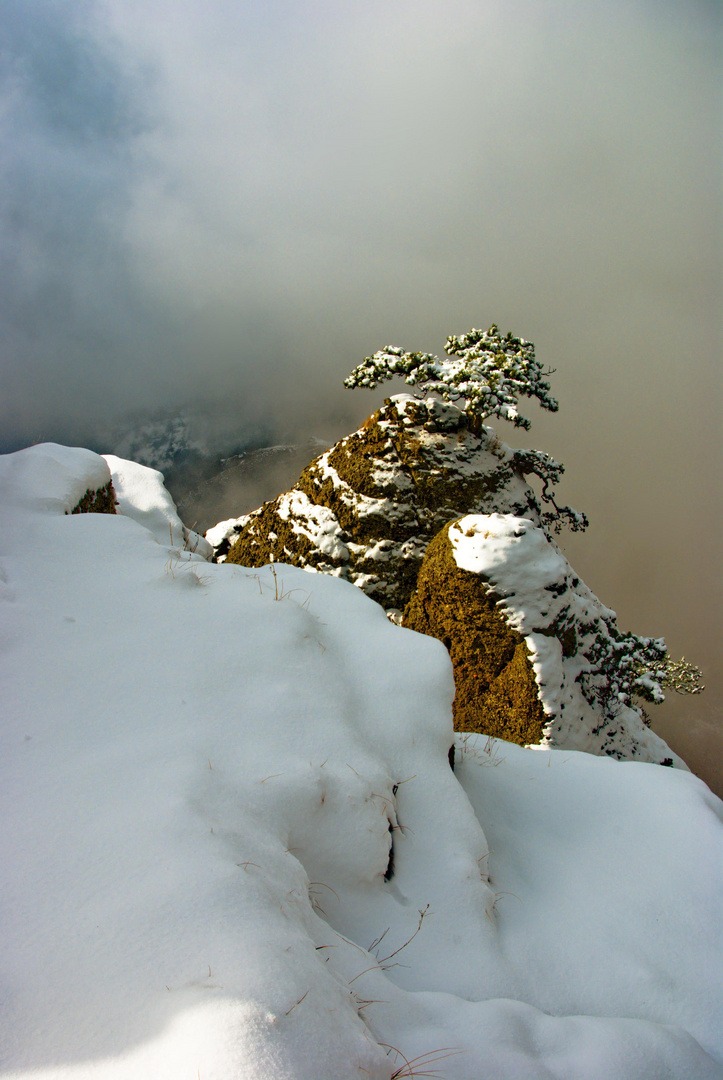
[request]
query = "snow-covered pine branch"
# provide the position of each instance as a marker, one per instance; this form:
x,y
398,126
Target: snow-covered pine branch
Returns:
x,y
626,666
679,676
485,374
538,463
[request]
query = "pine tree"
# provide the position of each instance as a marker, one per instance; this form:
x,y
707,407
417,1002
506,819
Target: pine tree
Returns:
x,y
485,374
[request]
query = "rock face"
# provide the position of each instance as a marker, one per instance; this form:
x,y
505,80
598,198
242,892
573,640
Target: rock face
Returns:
x,y
537,657
495,688
367,509
97,501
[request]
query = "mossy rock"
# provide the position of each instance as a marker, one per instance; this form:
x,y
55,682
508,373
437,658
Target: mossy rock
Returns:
x,y
269,538
97,501
428,468
356,458
495,689
383,493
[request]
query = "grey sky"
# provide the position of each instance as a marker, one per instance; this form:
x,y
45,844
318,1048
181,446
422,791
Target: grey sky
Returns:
x,y
240,199
235,201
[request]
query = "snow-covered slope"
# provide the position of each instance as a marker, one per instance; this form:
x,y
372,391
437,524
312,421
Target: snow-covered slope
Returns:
x,y
232,844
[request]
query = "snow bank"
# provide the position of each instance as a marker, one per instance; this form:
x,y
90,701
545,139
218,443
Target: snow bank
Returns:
x,y
142,497
233,845
57,487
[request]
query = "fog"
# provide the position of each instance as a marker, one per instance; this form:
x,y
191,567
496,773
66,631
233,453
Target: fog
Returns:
x,y
230,203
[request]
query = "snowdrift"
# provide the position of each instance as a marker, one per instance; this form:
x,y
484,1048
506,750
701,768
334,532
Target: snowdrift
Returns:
x,y
233,846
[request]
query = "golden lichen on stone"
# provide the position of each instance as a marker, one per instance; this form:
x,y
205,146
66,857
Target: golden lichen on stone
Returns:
x,y
388,489
356,457
100,500
269,538
495,688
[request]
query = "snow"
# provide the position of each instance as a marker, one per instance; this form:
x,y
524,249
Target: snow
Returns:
x,y
224,530
203,770
543,599
317,523
60,484
142,496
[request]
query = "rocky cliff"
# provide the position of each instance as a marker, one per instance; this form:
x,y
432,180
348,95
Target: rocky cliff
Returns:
x,y
537,658
367,509
379,508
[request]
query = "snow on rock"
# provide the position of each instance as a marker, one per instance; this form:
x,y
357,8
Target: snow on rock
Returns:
x,y
316,523
232,844
67,473
221,534
385,489
142,496
569,634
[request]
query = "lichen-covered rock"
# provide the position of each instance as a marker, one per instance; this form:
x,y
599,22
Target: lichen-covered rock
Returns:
x,y
495,688
367,509
537,657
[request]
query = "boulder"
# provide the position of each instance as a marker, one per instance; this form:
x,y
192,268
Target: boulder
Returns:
x,y
537,658
367,508
495,688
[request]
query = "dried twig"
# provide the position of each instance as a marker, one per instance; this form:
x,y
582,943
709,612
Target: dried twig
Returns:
x,y
422,916
297,1002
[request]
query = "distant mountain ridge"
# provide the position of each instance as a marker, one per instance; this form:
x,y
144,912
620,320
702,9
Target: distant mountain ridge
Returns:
x,y
167,440
209,469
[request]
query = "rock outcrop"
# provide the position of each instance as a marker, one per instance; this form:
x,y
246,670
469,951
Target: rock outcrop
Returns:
x,y
495,688
382,509
537,657
367,509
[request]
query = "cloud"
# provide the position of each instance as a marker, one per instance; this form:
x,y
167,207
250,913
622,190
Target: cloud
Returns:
x,y
236,201
66,122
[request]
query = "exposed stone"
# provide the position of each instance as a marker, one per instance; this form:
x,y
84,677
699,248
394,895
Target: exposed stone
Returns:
x,y
495,688
367,509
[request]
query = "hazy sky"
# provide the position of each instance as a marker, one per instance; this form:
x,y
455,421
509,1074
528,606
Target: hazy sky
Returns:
x,y
240,200
236,201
